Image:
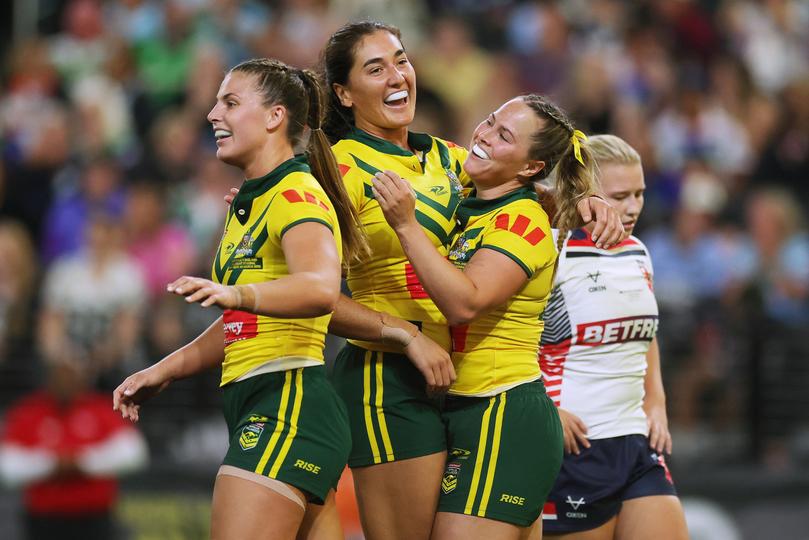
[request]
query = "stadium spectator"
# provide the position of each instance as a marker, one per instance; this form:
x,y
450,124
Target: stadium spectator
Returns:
x,y
65,447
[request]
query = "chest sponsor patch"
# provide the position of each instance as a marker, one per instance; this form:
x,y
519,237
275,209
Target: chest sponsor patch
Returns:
x,y
617,331
239,325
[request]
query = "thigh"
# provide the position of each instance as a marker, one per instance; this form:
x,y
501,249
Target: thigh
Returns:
x,y
505,453
321,521
605,531
451,526
245,509
390,414
295,430
660,517
398,500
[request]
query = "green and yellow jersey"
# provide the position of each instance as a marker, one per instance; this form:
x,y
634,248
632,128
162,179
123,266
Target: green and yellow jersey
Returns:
x,y
386,281
498,351
250,252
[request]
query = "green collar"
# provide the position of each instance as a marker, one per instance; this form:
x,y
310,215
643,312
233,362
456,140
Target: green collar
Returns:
x,y
258,186
472,206
419,141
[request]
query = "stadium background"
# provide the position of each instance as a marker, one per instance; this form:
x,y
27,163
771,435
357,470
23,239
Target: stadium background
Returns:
x,y
102,127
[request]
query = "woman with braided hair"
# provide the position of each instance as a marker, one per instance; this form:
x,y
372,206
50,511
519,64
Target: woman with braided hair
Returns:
x,y
503,431
276,274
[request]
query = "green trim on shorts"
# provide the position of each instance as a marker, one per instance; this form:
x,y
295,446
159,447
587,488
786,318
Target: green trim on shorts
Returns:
x,y
505,453
390,414
290,426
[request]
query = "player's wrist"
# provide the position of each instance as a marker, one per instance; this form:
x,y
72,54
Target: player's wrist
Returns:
x,y
397,332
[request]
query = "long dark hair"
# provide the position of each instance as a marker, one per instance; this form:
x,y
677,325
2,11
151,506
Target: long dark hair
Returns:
x,y
553,144
336,62
300,93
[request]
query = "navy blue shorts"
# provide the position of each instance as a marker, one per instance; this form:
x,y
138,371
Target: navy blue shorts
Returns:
x,y
591,487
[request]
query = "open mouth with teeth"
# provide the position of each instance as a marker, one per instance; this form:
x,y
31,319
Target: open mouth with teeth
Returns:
x,y
221,134
479,152
398,99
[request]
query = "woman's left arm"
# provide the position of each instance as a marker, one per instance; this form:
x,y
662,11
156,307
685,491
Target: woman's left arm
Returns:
x,y
311,288
489,279
654,402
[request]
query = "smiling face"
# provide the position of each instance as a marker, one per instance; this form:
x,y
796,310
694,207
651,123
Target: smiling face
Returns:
x,y
624,187
500,145
381,86
239,120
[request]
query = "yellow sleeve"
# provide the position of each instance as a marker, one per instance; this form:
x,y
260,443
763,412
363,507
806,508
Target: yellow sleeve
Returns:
x,y
524,235
293,206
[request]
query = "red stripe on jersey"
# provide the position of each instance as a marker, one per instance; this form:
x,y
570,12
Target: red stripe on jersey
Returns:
x,y
501,222
552,360
451,144
520,224
292,196
458,334
535,236
414,286
549,510
343,168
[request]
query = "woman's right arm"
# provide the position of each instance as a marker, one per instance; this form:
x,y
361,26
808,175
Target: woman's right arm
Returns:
x,y
206,351
352,320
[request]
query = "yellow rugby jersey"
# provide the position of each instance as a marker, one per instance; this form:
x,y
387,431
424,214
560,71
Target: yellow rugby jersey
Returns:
x,y
498,351
386,281
250,252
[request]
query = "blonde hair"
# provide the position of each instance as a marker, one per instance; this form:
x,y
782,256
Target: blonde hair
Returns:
x,y
610,149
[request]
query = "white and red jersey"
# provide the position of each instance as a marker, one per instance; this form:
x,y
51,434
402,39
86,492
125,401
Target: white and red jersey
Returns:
x,y
599,323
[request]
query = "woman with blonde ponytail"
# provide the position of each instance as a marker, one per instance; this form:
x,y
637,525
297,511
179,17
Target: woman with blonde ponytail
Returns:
x,y
504,434
601,324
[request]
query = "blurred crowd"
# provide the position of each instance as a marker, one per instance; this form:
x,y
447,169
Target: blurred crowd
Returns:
x,y
110,188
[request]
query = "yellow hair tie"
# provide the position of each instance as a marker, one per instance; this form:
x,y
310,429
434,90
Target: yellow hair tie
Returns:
x,y
576,139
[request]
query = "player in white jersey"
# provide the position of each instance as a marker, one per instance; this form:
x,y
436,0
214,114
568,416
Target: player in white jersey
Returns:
x,y
601,366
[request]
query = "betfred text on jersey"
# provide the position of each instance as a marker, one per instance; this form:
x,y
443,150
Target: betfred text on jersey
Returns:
x,y
617,331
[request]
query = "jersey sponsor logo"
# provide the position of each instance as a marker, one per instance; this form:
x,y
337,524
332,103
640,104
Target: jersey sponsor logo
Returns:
x,y
306,466
450,480
295,196
616,331
438,190
250,435
512,499
239,325
519,227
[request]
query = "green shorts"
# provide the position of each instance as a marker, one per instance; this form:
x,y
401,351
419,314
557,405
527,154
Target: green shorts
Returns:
x,y
390,415
505,454
290,426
